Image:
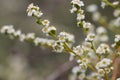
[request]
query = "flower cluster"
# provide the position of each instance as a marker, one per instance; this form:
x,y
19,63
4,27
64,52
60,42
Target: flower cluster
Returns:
x,y
108,3
34,11
104,66
76,8
103,49
101,34
77,70
29,37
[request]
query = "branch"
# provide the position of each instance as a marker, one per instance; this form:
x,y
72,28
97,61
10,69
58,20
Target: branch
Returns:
x,y
115,64
115,72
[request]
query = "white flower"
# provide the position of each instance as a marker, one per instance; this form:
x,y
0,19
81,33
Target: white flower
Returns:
x,y
103,4
87,46
75,69
74,9
101,34
77,2
34,11
102,38
101,30
90,37
64,36
101,72
47,30
103,49
86,25
31,6
115,3
113,45
83,66
30,36
38,14
80,16
43,41
117,38
104,63
83,61
5,29
22,37
17,33
78,50
46,22
58,47
92,8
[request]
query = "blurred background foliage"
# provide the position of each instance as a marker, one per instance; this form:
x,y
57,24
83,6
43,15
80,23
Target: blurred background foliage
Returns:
x,y
24,61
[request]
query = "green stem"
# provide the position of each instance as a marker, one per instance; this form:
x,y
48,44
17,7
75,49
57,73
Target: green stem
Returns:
x,y
70,50
91,67
106,76
93,47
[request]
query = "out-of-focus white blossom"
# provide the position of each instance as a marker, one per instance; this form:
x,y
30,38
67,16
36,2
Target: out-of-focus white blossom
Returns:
x,y
92,8
82,76
103,4
101,30
115,2
117,41
117,38
102,38
96,16
101,34
22,37
116,13
30,36
43,41
115,23
75,69
94,76
17,33
7,29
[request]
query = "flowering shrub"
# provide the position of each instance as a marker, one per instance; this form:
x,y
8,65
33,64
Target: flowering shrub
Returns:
x,y
94,54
